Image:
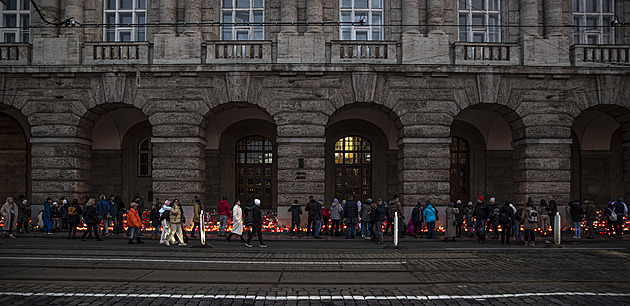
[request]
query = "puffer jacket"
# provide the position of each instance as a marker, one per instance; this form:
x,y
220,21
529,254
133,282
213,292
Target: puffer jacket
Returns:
x,y
526,224
224,208
351,210
133,219
430,213
394,206
366,209
175,216
335,211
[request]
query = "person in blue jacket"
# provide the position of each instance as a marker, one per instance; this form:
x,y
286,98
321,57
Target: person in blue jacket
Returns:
x,y
430,216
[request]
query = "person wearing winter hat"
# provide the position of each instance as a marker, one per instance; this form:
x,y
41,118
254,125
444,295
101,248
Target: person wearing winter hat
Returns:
x,y
91,219
24,215
492,205
165,218
481,213
134,223
224,213
256,226
335,215
175,216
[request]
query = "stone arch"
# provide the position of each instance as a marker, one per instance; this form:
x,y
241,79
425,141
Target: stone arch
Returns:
x,y
477,155
15,156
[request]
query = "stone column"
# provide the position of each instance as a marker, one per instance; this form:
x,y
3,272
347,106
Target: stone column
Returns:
x,y
411,16
50,9
625,146
193,18
553,18
75,10
435,16
288,14
60,165
529,17
423,167
168,16
314,14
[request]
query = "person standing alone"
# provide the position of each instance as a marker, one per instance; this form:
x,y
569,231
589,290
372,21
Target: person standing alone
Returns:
x,y
224,213
257,225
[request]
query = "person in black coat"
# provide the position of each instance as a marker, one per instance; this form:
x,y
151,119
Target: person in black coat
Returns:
x,y
481,216
74,218
310,209
91,219
295,211
506,221
257,223
351,213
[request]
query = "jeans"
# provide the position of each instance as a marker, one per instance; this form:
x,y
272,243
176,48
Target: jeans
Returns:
x,y
318,227
335,228
106,222
430,229
378,231
619,225
195,226
366,229
133,230
119,219
505,234
72,229
417,228
258,230
295,225
91,227
47,225
576,229
55,225
223,219
517,231
351,228
591,228
480,226
64,223
309,226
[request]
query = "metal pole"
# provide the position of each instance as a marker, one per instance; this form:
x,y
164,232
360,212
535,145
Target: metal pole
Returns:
x,y
396,229
557,234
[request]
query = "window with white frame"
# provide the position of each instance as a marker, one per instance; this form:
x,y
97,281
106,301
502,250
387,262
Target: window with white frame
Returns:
x,y
361,19
479,20
592,21
242,19
16,21
124,20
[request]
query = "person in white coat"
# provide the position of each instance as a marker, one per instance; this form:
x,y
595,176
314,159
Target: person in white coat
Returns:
x,y
164,218
237,221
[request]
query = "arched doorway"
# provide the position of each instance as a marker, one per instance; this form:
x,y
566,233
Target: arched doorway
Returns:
x,y
353,168
254,165
13,158
460,170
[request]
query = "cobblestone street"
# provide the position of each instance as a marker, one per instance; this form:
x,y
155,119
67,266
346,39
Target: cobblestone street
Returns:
x,y
56,271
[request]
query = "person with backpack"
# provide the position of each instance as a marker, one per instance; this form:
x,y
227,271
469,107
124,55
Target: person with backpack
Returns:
x,y
224,213
134,223
494,219
296,212
621,209
176,221
154,219
611,218
366,223
416,219
481,214
165,211
257,223
451,222
517,225
591,216
576,212
529,217
91,219
378,216
430,217
506,221
543,217
351,213
335,216
310,209
55,216
74,218
104,214
237,219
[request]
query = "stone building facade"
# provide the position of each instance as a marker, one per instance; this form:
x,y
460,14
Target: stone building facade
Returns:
x,y
282,99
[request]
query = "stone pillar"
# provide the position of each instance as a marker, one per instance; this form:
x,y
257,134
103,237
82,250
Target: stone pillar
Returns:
x,y
179,167
60,166
423,170
193,18
75,10
553,18
168,16
50,9
625,146
435,16
315,15
411,16
288,15
542,168
529,17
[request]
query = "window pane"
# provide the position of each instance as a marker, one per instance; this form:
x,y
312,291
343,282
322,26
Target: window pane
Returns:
x,y
346,33
242,17
126,4
577,5
125,18
346,17
25,21
11,5
377,4
376,19
361,15
258,33
591,5
258,16
10,20
227,17
242,35
111,4
463,4
362,35
478,5
227,3
607,6
259,3
360,3
478,20
376,33
227,33
242,3
346,3
110,18
479,37
26,5
142,4
591,22
110,35
9,37
125,36
493,5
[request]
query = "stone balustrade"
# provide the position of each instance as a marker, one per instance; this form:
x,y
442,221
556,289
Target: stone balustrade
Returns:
x,y
238,52
116,53
600,55
467,53
15,54
376,52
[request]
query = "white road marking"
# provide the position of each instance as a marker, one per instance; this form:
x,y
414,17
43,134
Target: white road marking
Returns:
x,y
238,262
531,249
312,297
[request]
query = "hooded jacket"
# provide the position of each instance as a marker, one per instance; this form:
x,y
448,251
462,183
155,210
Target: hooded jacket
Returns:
x,y
295,211
336,211
133,218
394,206
430,213
175,215
351,210
224,208
526,224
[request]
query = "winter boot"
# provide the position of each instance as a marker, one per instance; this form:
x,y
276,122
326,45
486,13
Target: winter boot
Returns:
x,y
138,241
131,241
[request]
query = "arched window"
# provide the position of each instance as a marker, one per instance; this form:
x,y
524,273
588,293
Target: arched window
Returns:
x,y
238,18
353,168
16,21
145,156
254,161
479,20
121,16
460,170
361,19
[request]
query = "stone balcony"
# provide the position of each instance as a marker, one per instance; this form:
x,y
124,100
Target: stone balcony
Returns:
x,y
15,54
246,52
363,52
466,53
112,53
600,55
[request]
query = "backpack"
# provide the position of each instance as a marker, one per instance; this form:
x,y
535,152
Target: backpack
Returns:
x,y
72,211
613,215
496,219
54,212
503,217
533,216
517,216
248,216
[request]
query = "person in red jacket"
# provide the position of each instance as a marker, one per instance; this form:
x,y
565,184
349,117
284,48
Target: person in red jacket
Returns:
x,y
134,223
224,213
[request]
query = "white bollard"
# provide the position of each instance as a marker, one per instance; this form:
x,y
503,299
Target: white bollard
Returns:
x,y
396,229
202,228
557,229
